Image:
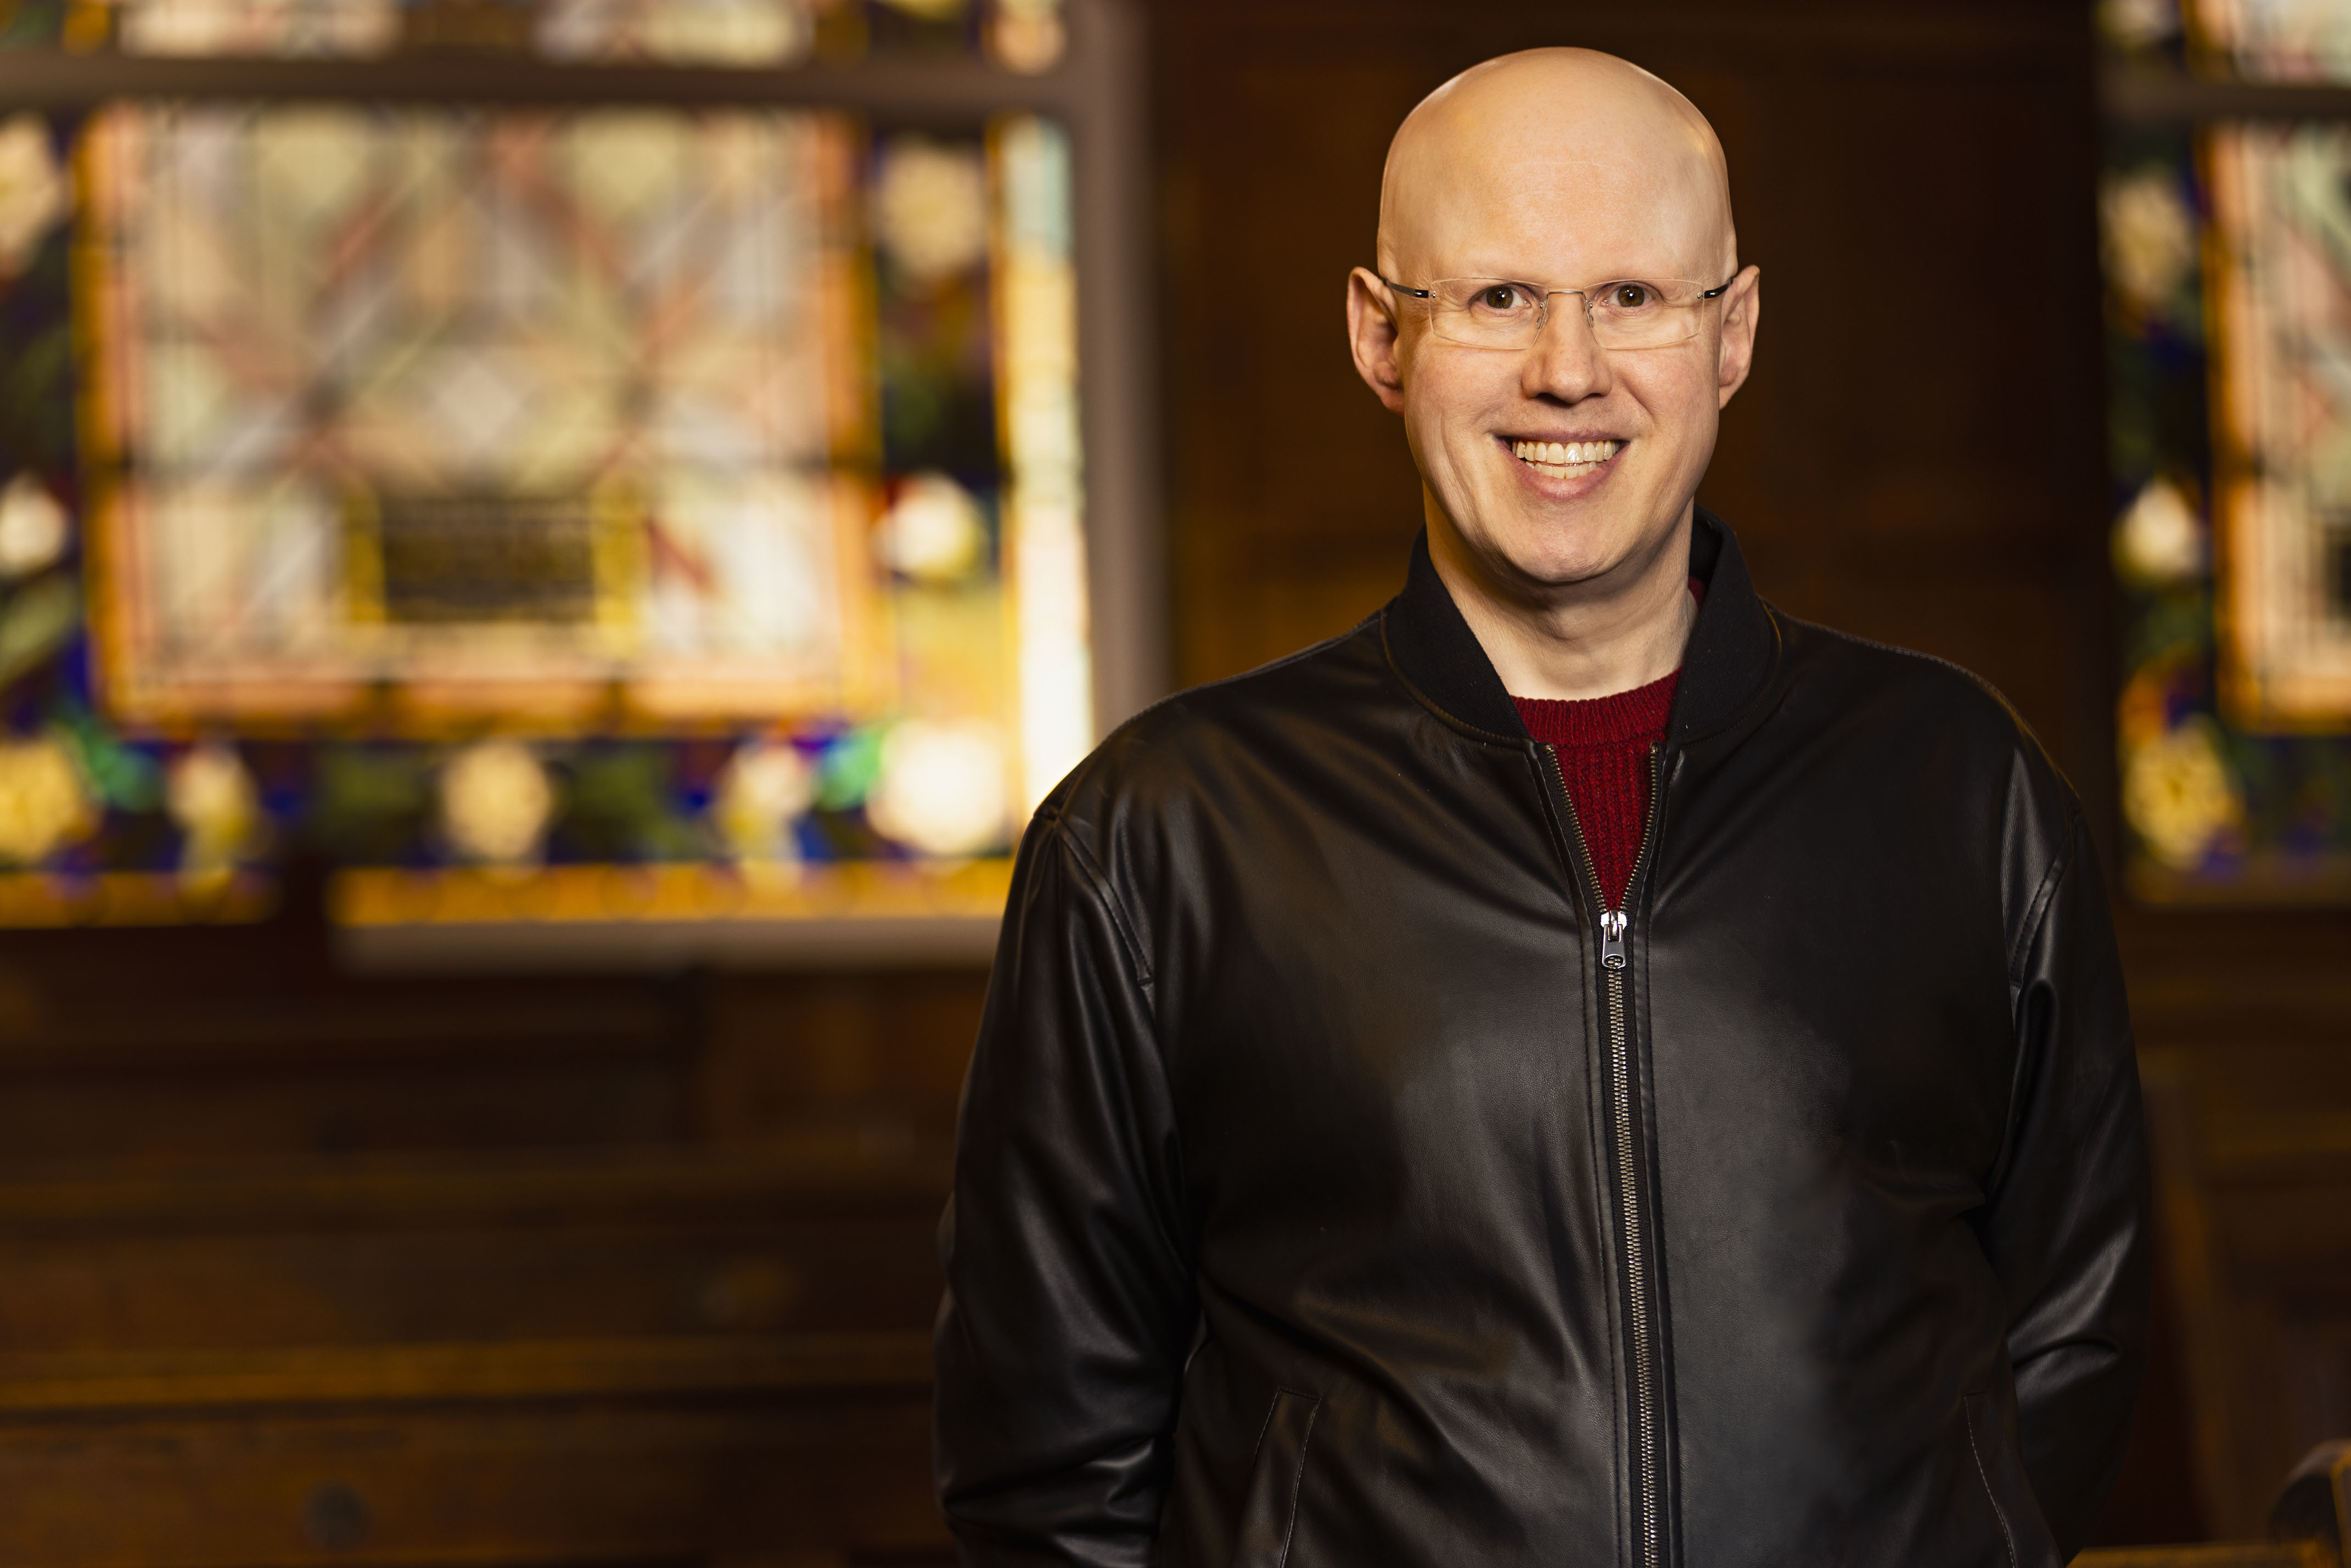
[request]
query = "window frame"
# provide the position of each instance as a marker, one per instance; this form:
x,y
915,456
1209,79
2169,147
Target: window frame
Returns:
x,y
1094,92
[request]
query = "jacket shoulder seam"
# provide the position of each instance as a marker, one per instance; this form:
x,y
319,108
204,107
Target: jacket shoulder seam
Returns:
x,y
1958,669
1976,681
1270,668
1097,885
2036,912
2036,915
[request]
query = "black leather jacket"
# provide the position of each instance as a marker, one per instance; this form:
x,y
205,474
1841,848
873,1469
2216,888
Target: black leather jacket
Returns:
x,y
1341,1183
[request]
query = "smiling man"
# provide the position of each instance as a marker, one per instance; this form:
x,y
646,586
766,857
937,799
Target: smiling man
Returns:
x,y
1584,1068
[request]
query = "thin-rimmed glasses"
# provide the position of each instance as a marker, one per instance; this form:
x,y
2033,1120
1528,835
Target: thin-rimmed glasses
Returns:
x,y
1502,313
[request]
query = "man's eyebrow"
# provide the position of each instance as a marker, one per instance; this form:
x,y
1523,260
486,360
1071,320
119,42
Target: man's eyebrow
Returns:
x,y
1536,277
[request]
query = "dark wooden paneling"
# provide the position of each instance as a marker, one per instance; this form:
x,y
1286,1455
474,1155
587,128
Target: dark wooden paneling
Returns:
x,y
822,1239
2228,1555
2254,1152
2243,1020
301,1269
716,1469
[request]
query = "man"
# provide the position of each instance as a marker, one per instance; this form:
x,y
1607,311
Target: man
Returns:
x,y
1584,1068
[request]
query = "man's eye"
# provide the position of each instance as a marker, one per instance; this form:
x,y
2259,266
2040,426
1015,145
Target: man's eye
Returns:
x,y
1501,296
1631,296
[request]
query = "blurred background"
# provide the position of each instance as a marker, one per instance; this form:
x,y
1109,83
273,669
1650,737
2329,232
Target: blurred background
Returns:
x,y
548,548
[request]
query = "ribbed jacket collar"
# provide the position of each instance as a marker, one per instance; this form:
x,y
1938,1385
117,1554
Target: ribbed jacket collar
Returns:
x,y
1729,658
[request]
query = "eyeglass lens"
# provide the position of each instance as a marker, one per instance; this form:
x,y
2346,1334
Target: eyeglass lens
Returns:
x,y
1495,313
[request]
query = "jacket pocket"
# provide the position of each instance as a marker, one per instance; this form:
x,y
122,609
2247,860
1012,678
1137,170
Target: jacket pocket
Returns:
x,y
1269,1512
2007,1487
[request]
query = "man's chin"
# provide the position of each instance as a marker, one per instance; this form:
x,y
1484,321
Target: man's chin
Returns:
x,y
1547,547
1560,546
1555,573
1551,555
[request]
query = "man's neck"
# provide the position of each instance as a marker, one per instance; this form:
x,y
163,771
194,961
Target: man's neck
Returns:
x,y
1590,639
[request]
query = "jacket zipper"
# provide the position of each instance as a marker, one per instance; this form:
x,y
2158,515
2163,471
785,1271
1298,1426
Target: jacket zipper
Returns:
x,y
1624,1113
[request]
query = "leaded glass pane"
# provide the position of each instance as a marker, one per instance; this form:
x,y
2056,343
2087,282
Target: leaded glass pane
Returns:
x,y
455,401
2282,293
643,514
2229,286
1020,35
2277,40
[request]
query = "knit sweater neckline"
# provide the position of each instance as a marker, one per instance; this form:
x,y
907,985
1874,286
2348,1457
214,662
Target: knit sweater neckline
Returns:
x,y
1617,719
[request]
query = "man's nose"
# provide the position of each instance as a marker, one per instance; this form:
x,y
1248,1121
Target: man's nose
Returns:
x,y
1566,361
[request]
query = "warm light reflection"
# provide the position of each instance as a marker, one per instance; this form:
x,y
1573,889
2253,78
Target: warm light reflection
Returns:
x,y
496,802
300,28
213,797
941,788
1027,35
1038,310
679,32
45,802
765,786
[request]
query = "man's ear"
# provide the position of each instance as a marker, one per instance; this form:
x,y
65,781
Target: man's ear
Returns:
x,y
1743,308
1372,333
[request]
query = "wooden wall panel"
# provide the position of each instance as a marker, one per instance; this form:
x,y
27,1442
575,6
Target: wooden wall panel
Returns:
x,y
301,1268
2242,1023
505,1482
807,1236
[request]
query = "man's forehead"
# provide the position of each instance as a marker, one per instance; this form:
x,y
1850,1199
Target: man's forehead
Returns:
x,y
1523,214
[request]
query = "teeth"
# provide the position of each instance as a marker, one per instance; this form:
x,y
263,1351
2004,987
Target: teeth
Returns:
x,y
1564,454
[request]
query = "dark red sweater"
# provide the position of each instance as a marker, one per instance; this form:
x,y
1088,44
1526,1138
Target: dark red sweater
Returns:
x,y
1603,753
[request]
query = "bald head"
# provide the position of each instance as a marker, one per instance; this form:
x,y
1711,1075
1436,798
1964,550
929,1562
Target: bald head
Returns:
x,y
1564,166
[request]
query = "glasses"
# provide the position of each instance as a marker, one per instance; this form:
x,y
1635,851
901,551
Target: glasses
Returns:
x,y
1497,313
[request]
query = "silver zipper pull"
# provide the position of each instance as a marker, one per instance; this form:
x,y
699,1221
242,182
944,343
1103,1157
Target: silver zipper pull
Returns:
x,y
1611,940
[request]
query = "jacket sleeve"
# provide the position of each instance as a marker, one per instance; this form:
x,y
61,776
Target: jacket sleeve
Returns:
x,y
1070,1303
2068,1224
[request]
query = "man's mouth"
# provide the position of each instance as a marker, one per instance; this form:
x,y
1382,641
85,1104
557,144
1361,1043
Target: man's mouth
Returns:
x,y
1564,459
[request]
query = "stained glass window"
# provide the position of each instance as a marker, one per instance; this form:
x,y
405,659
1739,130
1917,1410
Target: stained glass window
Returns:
x,y
2228,251
657,513
449,414
2276,40
1021,35
2281,213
